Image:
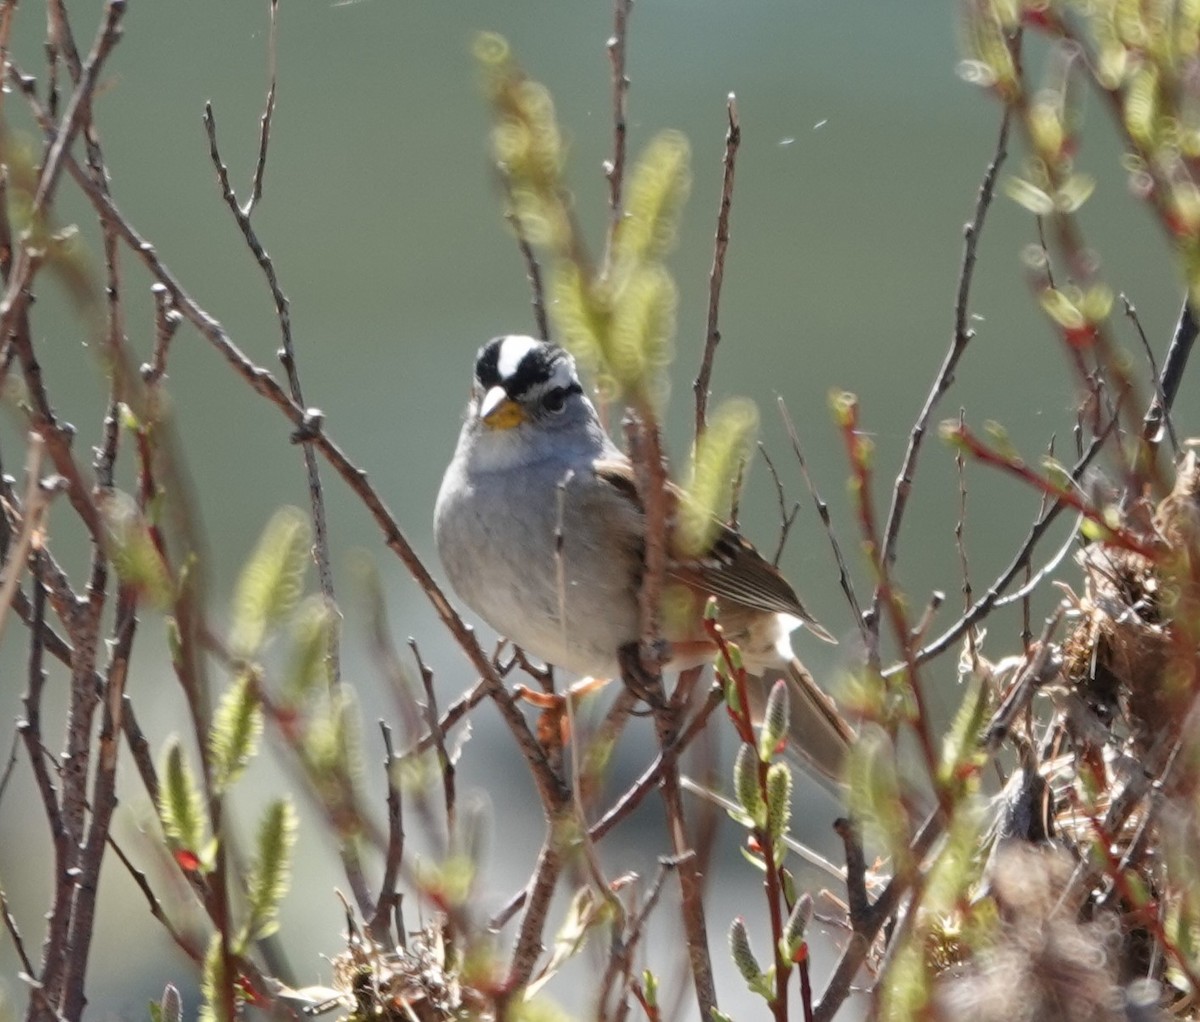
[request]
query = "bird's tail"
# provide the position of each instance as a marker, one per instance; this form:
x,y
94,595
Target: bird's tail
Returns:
x,y
819,736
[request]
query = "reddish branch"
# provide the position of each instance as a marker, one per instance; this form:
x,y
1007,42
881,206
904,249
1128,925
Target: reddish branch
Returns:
x,y
859,458
1113,534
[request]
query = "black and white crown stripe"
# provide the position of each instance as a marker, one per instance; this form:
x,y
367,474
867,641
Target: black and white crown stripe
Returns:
x,y
522,365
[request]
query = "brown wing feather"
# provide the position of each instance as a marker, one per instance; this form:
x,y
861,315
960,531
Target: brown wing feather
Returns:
x,y
736,571
733,570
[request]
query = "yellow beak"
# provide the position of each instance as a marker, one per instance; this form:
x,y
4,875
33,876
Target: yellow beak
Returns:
x,y
499,411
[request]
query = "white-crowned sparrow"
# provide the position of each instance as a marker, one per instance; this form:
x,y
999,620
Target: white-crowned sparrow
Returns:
x,y
540,530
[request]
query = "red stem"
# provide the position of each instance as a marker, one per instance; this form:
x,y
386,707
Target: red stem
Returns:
x,y
1115,535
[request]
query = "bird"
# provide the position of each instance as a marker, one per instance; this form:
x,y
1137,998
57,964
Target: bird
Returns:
x,y
541,532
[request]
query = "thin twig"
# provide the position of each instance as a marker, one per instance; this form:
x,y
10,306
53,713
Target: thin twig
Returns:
x,y
30,728
139,748
155,906
889,595
620,958
1035,578
166,322
533,270
632,797
786,518
823,514
1119,536
960,466
918,631
539,891
958,345
856,874
287,356
10,924
10,764
1167,383
716,275
262,383
732,808
103,803
691,880
885,905
667,725
614,169
437,730
1155,414
986,603
7,9
30,257
34,508
379,925
455,712
264,133
1033,674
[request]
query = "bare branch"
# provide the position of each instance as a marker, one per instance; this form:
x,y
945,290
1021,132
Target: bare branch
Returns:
x,y
537,905
885,905
958,345
1031,675
438,732
380,923
14,933
716,275
262,383
166,323
155,906
287,355
1155,417
264,133
786,518
29,258
620,960
533,270
984,605
1167,383
614,169
650,778
823,514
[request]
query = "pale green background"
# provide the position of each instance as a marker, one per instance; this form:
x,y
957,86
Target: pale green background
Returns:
x,y
860,161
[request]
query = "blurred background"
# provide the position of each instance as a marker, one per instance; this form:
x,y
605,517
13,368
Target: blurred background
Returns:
x,y
861,156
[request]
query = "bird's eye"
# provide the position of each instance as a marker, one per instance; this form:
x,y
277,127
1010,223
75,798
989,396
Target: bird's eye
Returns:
x,y
555,400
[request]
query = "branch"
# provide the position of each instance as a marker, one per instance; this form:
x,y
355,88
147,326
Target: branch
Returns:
x,y
264,134
716,276
265,385
533,270
539,893
1115,535
1155,417
958,344
650,778
885,905
614,169
14,933
989,600
380,923
823,514
28,261
287,353
786,518
1172,372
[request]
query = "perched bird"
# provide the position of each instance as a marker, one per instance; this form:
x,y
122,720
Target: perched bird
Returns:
x,y
541,531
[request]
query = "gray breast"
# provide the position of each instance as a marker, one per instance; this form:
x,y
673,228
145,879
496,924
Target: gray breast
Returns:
x,y
572,604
